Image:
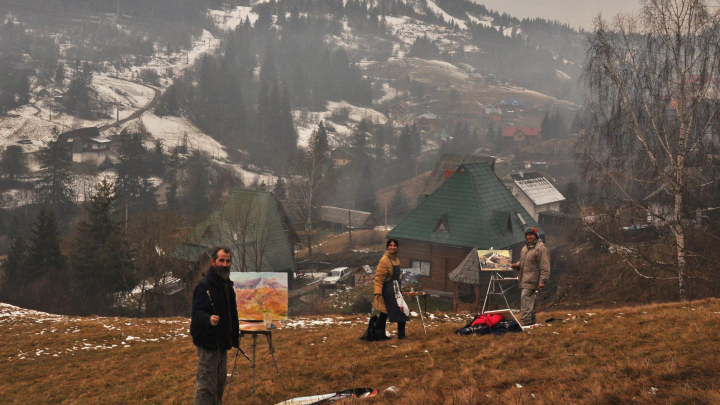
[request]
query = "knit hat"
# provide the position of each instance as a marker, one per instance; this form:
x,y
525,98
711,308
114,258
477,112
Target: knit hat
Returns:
x,y
531,229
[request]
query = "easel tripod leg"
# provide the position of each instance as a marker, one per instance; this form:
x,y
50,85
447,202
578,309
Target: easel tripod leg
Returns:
x,y
254,346
272,353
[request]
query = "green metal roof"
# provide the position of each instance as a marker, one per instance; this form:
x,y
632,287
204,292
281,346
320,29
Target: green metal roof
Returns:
x,y
253,224
477,207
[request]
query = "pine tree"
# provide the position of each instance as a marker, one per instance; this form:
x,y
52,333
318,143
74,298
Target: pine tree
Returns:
x,y
13,162
319,141
399,206
171,179
102,259
54,185
198,185
44,251
133,180
359,140
60,75
280,190
15,271
417,142
365,199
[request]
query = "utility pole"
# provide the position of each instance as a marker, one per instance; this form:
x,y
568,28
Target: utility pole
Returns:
x,y
385,214
349,231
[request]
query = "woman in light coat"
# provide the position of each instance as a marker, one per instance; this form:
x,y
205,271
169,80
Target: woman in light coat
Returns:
x,y
388,270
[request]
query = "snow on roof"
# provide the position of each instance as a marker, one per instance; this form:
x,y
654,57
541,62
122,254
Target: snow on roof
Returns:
x,y
540,190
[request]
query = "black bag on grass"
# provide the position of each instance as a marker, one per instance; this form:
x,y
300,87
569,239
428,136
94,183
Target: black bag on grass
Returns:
x,y
371,333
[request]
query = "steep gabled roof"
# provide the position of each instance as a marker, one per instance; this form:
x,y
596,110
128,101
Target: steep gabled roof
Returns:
x,y
527,131
337,215
468,272
480,212
256,214
85,133
536,187
449,161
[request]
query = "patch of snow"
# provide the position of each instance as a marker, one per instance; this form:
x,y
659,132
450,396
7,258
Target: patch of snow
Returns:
x,y
437,10
232,18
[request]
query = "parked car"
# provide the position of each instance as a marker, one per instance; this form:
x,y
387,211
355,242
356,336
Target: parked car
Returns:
x,y
337,276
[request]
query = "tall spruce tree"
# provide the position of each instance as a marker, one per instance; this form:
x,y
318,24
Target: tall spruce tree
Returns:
x,y
15,271
365,199
133,181
54,186
44,250
13,162
102,259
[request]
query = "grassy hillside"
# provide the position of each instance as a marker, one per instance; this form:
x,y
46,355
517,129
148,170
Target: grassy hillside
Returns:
x,y
659,354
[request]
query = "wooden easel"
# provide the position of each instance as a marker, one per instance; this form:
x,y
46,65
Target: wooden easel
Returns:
x,y
495,288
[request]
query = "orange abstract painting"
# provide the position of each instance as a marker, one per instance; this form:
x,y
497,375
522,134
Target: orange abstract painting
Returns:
x,y
258,293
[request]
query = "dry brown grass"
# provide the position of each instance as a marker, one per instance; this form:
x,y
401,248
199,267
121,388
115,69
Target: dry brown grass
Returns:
x,y
613,357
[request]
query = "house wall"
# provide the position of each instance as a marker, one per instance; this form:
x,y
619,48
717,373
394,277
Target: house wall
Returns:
x,y
442,260
524,200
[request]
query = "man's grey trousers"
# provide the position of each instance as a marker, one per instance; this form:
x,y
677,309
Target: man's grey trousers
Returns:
x,y
211,376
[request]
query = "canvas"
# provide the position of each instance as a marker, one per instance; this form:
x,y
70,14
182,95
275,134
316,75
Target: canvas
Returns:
x,y
495,260
258,293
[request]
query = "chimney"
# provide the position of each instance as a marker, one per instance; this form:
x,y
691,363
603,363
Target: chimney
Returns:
x,y
448,173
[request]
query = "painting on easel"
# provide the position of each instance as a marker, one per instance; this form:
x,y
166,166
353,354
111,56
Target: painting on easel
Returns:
x,y
495,260
260,293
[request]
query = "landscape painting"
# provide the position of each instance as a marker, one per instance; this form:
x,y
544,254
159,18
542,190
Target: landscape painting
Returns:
x,y
495,260
258,293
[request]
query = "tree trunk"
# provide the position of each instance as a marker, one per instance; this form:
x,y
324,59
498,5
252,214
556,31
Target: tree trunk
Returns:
x,y
679,231
309,232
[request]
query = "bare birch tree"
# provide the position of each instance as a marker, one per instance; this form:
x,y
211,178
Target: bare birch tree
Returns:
x,y
653,93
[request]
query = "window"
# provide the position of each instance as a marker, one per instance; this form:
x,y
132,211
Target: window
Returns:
x,y
420,267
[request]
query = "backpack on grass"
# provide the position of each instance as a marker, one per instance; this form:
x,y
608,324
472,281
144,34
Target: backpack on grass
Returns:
x,y
371,333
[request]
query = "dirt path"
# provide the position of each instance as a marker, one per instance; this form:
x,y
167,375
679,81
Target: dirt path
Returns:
x,y
138,113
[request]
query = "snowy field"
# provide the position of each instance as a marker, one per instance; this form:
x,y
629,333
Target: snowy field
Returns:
x,y
338,134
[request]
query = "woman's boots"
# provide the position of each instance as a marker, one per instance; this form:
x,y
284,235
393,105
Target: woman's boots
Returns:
x,y
401,330
382,322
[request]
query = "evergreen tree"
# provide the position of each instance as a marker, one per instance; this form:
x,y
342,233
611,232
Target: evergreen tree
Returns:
x,y
171,179
60,75
319,141
44,251
365,199
416,141
13,162
102,259
133,181
54,185
280,189
287,142
198,185
359,141
15,271
399,206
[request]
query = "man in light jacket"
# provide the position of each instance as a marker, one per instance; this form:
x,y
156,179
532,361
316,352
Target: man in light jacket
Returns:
x,y
534,266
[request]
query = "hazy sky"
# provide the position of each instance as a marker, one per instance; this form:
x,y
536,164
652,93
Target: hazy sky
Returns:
x,y
577,13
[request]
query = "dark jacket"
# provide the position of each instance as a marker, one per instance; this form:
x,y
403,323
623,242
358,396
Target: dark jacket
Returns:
x,y
226,334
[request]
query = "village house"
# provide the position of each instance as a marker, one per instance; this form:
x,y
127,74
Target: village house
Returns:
x,y
522,136
399,111
493,113
446,166
85,145
341,157
341,219
511,103
427,121
534,192
256,228
471,209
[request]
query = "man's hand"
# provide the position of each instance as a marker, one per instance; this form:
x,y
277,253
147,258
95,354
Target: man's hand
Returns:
x,y
515,265
542,285
214,319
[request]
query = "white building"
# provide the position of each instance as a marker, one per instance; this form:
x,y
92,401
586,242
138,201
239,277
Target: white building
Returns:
x,y
86,145
534,192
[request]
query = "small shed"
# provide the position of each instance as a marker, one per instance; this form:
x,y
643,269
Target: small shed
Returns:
x,y
467,278
342,219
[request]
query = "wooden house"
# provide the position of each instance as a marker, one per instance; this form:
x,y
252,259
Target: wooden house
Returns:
x,y
471,209
85,145
341,157
342,219
399,110
522,136
534,192
427,121
256,228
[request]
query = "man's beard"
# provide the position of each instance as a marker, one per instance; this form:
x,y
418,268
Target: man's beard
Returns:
x,y
223,272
